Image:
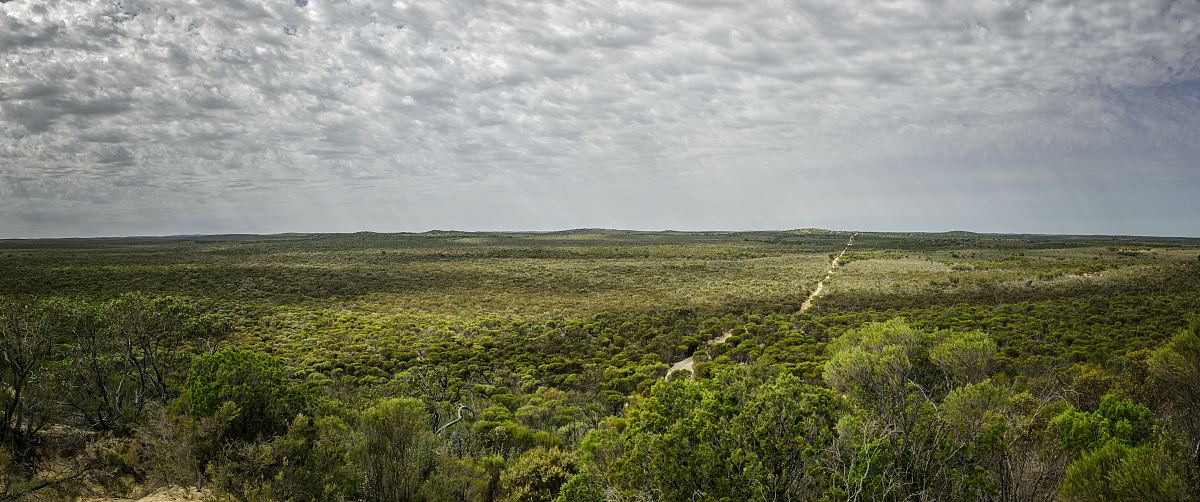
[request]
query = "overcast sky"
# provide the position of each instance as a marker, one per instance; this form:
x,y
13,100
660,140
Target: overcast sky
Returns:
x,y
170,117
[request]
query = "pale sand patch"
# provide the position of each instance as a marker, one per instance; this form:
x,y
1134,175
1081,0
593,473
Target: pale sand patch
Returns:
x,y
168,494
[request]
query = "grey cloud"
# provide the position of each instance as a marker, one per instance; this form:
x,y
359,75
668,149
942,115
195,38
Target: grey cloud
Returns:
x,y
35,90
458,110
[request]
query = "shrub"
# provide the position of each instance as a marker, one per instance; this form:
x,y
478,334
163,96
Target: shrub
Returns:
x,y
966,357
463,479
1118,420
397,450
253,382
309,462
537,475
1115,471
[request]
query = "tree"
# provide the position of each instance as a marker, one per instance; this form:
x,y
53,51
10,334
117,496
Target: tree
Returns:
x,y
916,434
778,435
676,443
1115,471
25,344
877,364
1000,443
1116,419
128,354
964,357
463,479
254,383
34,370
397,450
1174,371
537,475
311,461
580,488
743,434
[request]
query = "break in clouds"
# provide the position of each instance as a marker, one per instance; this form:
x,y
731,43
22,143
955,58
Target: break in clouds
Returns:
x,y
163,117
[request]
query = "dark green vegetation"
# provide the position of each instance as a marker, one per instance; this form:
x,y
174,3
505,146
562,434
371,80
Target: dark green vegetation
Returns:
x,y
463,366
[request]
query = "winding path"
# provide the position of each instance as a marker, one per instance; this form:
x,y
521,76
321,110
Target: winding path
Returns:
x,y
688,363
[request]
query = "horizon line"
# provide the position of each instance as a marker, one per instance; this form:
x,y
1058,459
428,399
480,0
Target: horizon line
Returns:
x,y
590,229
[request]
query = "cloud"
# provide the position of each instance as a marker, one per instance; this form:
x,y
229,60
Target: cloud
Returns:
x,y
188,116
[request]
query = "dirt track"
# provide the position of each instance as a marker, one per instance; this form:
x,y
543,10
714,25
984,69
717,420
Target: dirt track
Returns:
x,y
690,362
687,364
168,494
833,265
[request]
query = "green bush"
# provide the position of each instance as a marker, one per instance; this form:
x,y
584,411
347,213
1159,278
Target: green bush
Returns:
x,y
1174,371
463,479
1118,472
580,488
310,462
1117,419
537,475
254,383
397,449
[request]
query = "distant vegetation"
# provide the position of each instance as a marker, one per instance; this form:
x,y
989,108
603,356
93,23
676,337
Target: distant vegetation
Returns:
x,y
496,366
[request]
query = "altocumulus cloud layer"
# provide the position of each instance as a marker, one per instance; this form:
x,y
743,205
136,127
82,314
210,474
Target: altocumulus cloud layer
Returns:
x,y
153,117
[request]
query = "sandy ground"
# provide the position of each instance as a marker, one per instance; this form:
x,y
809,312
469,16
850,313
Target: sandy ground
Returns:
x,y
688,363
168,494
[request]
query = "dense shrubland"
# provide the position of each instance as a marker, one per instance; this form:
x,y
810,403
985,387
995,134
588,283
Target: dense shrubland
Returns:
x,y
371,367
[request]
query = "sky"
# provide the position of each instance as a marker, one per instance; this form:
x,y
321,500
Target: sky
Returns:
x,y
159,117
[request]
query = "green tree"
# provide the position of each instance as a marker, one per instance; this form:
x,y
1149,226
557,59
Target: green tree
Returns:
x,y
1174,371
537,475
397,450
580,488
254,383
128,354
778,436
1118,472
676,443
744,434
463,479
1117,419
965,357
879,363
998,445
310,462
26,344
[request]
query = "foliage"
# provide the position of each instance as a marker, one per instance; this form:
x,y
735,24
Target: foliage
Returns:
x,y
428,366
1115,471
964,358
463,479
311,461
255,385
537,475
911,439
736,436
1119,420
25,343
397,451
132,351
1174,379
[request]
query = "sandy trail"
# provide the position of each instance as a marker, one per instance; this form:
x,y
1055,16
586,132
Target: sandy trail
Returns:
x,y
833,265
168,494
688,363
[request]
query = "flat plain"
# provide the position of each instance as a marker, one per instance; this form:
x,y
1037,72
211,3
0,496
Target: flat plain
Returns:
x,y
550,339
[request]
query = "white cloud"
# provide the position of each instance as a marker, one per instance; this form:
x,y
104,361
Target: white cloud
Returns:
x,y
141,116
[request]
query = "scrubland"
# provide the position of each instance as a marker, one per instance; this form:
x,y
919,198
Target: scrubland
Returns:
x,y
509,366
